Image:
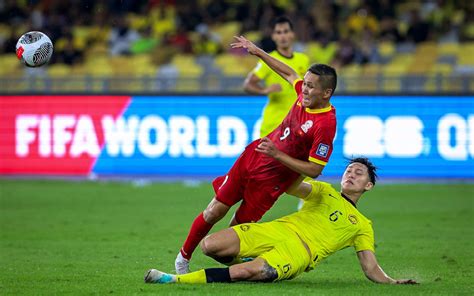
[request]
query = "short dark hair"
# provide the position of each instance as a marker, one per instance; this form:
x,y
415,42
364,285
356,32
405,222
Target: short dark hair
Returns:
x,y
281,20
327,74
371,168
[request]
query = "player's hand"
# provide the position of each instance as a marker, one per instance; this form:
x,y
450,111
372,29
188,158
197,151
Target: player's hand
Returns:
x,y
406,282
276,87
267,147
243,42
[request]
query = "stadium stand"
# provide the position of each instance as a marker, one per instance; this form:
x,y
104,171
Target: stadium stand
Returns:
x,y
376,45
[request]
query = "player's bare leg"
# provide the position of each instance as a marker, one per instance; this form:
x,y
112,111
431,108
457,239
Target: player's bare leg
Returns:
x,y
256,270
222,246
214,212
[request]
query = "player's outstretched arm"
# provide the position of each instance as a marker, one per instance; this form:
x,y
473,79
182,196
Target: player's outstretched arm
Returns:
x,y
374,272
280,68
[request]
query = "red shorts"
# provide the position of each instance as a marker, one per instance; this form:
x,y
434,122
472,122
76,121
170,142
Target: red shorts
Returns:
x,y
257,194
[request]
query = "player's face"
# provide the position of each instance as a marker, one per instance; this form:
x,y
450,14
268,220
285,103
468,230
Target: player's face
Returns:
x,y
283,36
356,179
313,94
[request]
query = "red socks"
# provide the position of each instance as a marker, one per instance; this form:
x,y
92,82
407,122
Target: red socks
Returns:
x,y
199,229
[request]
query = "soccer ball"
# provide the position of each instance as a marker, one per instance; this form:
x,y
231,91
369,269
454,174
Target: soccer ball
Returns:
x,y
34,49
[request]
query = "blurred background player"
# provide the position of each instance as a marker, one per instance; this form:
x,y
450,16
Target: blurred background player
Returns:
x,y
300,146
284,248
280,93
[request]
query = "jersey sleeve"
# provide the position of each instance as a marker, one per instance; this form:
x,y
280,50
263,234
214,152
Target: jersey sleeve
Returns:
x,y
322,146
298,86
316,189
261,70
365,239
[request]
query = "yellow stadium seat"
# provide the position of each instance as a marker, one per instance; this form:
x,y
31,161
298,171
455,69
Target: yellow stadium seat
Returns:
x,y
121,66
436,78
187,66
183,59
319,54
253,36
234,65
424,58
428,47
78,70
452,85
59,70
394,69
144,65
439,82
227,31
125,84
431,85
467,47
372,70
350,74
398,65
391,84
448,48
444,69
404,59
99,66
359,78
10,65
465,54
352,69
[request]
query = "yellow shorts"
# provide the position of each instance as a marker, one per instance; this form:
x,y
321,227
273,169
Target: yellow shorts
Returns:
x,y
279,246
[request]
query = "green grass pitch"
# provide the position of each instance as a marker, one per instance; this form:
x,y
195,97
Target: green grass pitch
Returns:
x,y
99,238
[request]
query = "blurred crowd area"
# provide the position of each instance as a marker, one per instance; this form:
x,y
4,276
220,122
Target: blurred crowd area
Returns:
x,y
172,38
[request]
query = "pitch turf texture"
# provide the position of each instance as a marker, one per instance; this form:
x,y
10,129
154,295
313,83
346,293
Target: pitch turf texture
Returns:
x,y
99,238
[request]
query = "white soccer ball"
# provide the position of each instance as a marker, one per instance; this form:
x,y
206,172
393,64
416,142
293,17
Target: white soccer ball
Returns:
x,y
34,49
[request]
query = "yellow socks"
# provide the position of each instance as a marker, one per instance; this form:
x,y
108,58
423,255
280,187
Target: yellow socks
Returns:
x,y
196,277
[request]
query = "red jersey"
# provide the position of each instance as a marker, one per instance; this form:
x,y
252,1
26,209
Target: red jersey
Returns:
x,y
305,134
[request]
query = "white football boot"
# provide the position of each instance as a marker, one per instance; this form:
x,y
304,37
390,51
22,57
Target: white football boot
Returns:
x,y
154,276
181,264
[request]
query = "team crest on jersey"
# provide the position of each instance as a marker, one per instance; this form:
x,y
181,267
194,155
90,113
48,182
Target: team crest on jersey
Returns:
x,y
352,219
244,227
322,150
307,125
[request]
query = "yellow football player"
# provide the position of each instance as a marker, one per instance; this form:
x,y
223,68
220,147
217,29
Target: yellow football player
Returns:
x,y
284,248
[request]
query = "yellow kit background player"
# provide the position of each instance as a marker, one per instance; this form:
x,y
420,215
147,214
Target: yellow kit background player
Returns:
x,y
280,93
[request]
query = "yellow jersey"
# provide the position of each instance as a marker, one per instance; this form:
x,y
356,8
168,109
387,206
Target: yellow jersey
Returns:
x,y
279,103
329,222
